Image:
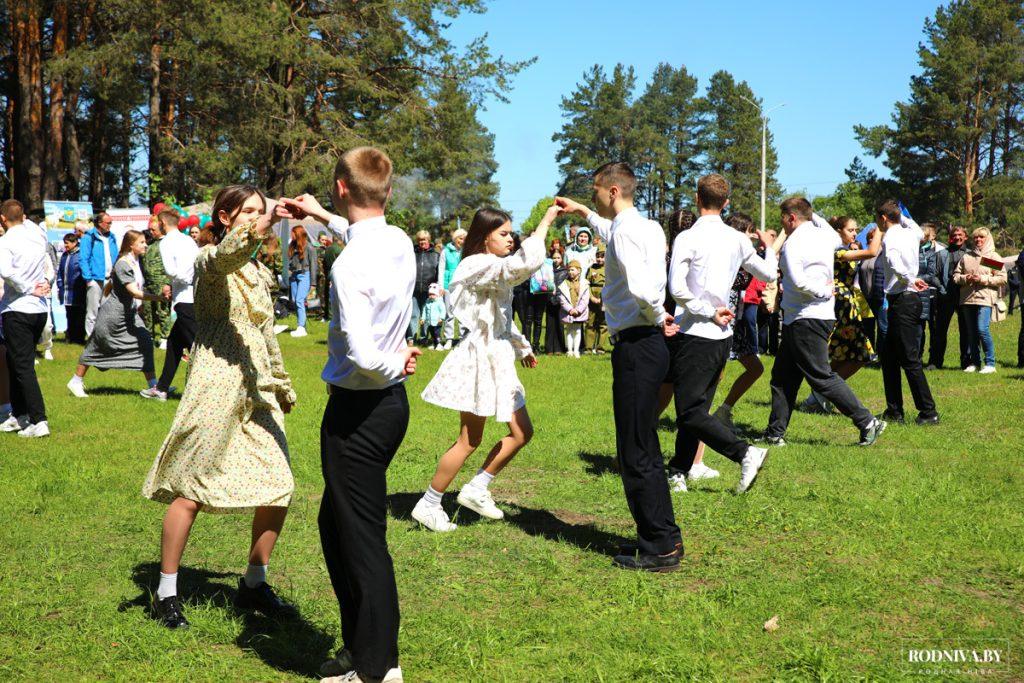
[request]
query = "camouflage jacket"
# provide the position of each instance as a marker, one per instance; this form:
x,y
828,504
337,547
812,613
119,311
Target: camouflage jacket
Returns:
x,y
153,269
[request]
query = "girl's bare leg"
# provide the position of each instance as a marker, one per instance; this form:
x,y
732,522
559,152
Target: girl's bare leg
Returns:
x,y
520,431
471,432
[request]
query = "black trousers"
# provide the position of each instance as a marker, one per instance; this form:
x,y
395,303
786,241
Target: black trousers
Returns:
x,y
359,435
554,341
183,335
1020,342
695,366
534,307
902,344
946,307
22,332
803,353
75,333
639,366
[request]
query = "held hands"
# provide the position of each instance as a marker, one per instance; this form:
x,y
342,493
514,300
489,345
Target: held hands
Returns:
x,y
723,316
766,239
410,353
265,222
549,216
305,205
530,361
41,289
570,206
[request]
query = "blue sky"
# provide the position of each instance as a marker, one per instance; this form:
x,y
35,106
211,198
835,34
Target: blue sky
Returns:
x,y
833,64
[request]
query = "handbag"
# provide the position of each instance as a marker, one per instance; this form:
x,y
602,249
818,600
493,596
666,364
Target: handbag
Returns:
x,y
543,280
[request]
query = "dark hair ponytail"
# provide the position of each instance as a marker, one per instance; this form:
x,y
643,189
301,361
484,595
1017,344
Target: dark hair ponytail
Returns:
x,y
229,200
486,221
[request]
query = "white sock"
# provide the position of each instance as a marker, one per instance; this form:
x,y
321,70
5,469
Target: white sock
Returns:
x,y
168,585
432,497
255,574
75,379
482,480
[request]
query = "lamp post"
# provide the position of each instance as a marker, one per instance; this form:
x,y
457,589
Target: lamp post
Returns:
x,y
764,148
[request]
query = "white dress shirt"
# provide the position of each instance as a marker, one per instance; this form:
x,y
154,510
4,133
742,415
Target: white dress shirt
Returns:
x,y
808,271
23,265
634,290
705,260
178,251
902,244
372,282
108,265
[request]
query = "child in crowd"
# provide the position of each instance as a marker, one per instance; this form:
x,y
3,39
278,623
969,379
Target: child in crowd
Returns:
x,y
432,317
574,294
478,378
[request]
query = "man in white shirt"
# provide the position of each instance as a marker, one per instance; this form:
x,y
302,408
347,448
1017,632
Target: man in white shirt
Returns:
x,y
24,313
902,348
634,296
178,251
808,306
704,263
368,412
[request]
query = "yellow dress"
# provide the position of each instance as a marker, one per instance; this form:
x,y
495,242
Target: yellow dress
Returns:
x,y
227,448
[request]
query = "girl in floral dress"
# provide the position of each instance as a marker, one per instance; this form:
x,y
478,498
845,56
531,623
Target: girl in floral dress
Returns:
x,y
226,451
478,378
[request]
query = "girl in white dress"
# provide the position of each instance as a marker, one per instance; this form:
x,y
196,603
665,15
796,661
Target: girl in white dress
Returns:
x,y
479,377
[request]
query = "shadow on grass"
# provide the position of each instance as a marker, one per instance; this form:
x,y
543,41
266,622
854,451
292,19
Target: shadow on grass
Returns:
x,y
112,391
562,526
598,463
292,646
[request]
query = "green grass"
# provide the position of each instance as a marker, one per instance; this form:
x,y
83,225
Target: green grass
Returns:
x,y
860,552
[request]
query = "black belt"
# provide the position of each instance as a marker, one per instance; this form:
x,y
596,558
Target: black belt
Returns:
x,y
893,297
634,333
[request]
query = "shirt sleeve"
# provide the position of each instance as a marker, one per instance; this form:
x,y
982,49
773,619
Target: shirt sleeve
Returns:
x,y
639,279
339,225
9,274
679,269
353,310
510,270
766,269
602,226
896,260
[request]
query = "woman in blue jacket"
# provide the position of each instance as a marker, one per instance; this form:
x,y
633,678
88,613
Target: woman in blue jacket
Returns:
x,y
71,289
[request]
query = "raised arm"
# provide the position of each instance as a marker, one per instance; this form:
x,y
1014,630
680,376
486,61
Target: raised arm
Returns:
x,y
874,248
235,250
767,268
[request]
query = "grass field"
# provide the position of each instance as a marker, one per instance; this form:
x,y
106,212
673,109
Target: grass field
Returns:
x,y
917,542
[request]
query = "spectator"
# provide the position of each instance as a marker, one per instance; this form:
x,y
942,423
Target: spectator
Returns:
x,y
1014,284
948,304
71,290
929,269
98,251
427,263
451,255
196,234
582,250
554,342
596,327
979,291
332,250
432,317
156,313
302,270
1020,335
574,297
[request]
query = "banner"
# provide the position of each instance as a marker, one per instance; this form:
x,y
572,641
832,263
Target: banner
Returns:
x,y
124,220
62,217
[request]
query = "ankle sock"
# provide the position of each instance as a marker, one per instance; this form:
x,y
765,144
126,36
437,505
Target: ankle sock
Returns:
x,y
75,379
432,497
482,479
255,574
168,585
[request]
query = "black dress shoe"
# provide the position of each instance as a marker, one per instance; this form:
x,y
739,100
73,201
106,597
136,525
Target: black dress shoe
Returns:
x,y
651,563
927,420
264,600
893,416
168,612
631,548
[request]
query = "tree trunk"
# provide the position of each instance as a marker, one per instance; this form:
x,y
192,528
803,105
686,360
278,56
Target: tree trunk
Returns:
x,y
72,148
9,167
26,40
98,155
153,128
53,180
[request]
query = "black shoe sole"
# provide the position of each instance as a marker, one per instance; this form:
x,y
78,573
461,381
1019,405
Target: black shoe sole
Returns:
x,y
650,570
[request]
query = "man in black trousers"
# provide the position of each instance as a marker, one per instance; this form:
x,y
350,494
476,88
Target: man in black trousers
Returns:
x,y
903,340
634,296
367,412
948,304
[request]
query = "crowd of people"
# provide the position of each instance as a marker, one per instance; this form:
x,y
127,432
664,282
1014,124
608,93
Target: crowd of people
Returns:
x,y
824,297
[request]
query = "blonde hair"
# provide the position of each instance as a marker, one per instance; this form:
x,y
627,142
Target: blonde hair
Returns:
x,y
367,174
981,231
422,234
457,233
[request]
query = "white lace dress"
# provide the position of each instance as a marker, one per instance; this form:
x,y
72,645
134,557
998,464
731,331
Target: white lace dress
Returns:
x,y
479,375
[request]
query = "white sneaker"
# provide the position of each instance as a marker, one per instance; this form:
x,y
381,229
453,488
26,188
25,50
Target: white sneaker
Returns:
x,y
77,388
438,347
701,471
479,501
724,416
36,431
298,332
153,392
970,368
14,424
48,354
163,345
434,518
752,463
448,345
677,482
278,329
392,676
987,370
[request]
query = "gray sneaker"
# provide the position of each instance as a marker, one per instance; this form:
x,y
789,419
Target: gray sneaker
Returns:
x,y
870,434
339,665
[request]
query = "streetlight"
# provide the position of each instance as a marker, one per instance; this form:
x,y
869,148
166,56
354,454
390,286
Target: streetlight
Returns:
x,y
764,147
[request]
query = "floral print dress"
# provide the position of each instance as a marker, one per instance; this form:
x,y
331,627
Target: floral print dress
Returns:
x,y
848,341
227,448
479,375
